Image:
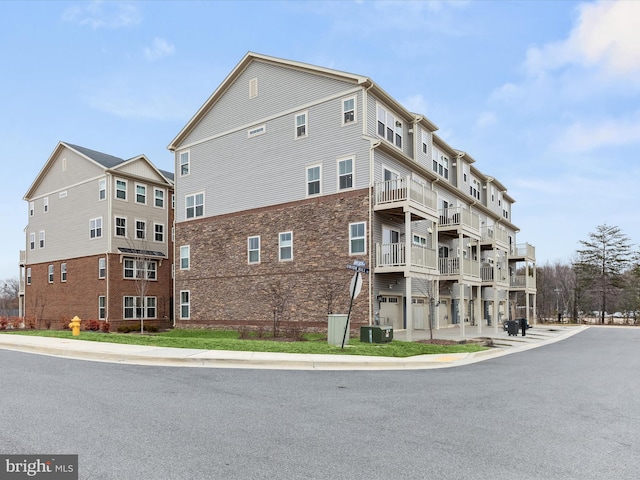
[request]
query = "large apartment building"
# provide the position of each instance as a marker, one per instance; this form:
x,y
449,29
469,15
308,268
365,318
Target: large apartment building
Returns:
x,y
289,172
98,240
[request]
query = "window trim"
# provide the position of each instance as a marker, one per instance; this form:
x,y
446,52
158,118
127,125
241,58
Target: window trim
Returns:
x,y
126,188
102,269
257,130
162,191
396,129
155,232
102,307
50,273
250,250
116,218
184,304
195,206
28,275
353,173
41,239
354,110
45,205
102,189
182,164
319,180
304,113
144,233
32,241
143,186
187,248
281,246
95,228
63,272
32,208
356,238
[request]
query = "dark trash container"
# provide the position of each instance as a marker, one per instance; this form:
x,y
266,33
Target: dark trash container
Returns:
x,y
512,327
523,326
376,334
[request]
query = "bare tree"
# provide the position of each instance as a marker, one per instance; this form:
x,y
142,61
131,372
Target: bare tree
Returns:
x,y
605,254
278,298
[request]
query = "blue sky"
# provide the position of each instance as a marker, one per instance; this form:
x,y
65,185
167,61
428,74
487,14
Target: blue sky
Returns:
x,y
543,94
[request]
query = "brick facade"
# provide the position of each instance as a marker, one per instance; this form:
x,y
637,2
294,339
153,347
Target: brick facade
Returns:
x,y
226,291
52,305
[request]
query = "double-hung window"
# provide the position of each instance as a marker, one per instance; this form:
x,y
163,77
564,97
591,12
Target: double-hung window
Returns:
x,y
102,267
95,227
141,194
63,272
41,239
159,197
121,227
357,238
185,257
102,307
185,304
389,127
285,244
301,125
102,189
28,275
45,204
195,205
32,241
348,110
158,232
141,229
313,180
50,273
121,189
253,249
184,163
345,173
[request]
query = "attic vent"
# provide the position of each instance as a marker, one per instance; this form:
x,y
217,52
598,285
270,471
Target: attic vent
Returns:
x,y
64,164
253,88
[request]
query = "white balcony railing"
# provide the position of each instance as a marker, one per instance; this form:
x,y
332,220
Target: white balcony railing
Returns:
x,y
491,234
524,250
451,266
394,255
458,216
522,281
405,189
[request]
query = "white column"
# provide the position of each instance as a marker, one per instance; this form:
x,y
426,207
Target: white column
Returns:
x,y
407,280
478,312
496,309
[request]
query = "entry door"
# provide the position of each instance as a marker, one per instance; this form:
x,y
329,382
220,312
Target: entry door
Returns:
x,y
419,313
391,312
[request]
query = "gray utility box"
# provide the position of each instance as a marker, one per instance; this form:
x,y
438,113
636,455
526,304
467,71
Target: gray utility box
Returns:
x,y
336,327
376,334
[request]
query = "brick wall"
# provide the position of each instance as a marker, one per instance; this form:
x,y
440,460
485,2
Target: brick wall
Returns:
x,y
228,292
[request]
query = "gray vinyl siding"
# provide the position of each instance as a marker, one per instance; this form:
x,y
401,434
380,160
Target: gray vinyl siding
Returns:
x,y
279,89
372,124
239,173
424,159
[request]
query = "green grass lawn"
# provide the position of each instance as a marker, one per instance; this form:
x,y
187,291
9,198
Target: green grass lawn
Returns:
x,y
229,340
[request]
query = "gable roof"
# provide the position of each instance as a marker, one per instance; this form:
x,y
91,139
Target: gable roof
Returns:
x,y
250,57
107,162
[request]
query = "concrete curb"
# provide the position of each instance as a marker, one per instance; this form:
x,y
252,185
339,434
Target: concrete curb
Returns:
x,y
179,357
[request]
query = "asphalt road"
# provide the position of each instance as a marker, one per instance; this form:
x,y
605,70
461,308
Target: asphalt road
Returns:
x,y
564,411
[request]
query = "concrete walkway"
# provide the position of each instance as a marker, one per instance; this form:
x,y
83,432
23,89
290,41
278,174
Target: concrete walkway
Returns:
x,y
181,357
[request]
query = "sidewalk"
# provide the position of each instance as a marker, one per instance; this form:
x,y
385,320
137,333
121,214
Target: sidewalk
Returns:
x,y
180,357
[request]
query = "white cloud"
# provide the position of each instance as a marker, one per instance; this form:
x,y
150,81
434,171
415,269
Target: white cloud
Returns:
x,y
584,136
100,14
486,119
606,36
158,49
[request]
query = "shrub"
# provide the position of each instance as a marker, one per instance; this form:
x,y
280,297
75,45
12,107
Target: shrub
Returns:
x,y
91,325
3,323
105,327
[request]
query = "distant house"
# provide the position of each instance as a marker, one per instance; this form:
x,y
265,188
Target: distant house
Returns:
x,y
98,240
289,172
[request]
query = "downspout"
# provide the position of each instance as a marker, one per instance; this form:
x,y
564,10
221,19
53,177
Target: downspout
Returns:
x,y
109,243
371,186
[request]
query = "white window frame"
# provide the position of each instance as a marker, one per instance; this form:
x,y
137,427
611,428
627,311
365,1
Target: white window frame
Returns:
x,y
159,198
102,189
50,273
304,125
45,204
120,227
253,87
353,238
184,163
425,142
253,249
185,257
63,272
194,206
143,194
141,234
95,227
346,111
102,307
32,241
318,180
147,308
185,303
285,244
102,267
156,232
385,118
28,275
132,307
32,208
117,184
41,238
139,268
352,173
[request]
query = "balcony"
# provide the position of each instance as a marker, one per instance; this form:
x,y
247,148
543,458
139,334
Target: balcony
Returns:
x,y
524,251
522,282
490,274
401,194
454,267
458,220
23,258
391,257
492,235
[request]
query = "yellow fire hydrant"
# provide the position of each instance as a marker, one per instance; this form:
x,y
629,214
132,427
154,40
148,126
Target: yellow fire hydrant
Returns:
x,y
75,326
